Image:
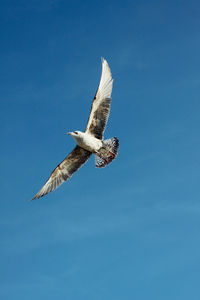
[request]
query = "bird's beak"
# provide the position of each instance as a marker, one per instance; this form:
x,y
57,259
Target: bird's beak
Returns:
x,y
70,133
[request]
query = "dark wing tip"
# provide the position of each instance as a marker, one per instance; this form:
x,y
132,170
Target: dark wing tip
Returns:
x,y
37,196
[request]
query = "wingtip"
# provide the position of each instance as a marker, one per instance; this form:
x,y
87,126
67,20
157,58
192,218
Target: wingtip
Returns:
x,y
34,198
105,66
103,60
37,196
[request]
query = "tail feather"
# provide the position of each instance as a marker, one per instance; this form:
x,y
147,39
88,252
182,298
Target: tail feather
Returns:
x,y
113,144
108,153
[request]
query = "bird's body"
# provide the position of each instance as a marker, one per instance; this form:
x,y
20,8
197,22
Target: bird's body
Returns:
x,y
91,141
87,141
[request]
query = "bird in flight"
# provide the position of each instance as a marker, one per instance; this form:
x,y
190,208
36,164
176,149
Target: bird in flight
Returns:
x,y
88,142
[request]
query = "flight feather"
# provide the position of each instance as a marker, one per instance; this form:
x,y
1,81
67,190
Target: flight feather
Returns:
x,y
64,170
101,105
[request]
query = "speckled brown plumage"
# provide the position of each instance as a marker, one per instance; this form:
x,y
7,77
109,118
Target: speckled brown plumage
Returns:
x,y
64,170
99,117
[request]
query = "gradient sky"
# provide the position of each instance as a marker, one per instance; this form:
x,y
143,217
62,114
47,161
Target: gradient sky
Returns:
x,y
126,232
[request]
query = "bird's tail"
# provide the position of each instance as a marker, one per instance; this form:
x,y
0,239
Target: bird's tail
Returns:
x,y
107,153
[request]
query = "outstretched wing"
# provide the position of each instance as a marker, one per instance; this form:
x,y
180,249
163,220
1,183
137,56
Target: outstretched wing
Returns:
x,y
64,170
101,104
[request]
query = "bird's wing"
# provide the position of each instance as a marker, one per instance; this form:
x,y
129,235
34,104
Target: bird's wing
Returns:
x,y
64,170
101,104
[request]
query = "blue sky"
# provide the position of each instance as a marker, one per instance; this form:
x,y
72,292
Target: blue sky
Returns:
x,y
131,230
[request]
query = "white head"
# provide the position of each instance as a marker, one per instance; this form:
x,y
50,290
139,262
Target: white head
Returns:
x,y
77,135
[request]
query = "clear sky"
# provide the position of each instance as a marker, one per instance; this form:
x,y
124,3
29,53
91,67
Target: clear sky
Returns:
x,y
126,232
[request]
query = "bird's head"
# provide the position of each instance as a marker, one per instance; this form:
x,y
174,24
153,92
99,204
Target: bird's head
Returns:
x,y
76,134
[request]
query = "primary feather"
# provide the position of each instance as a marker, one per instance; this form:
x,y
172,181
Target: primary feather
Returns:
x,y
101,105
64,170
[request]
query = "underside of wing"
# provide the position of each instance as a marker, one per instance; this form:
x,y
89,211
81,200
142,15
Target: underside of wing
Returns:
x,y
101,104
64,170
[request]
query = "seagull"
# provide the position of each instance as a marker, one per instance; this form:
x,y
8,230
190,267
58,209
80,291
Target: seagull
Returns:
x,y
91,141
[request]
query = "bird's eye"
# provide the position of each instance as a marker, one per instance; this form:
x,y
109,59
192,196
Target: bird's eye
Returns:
x,y
75,132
